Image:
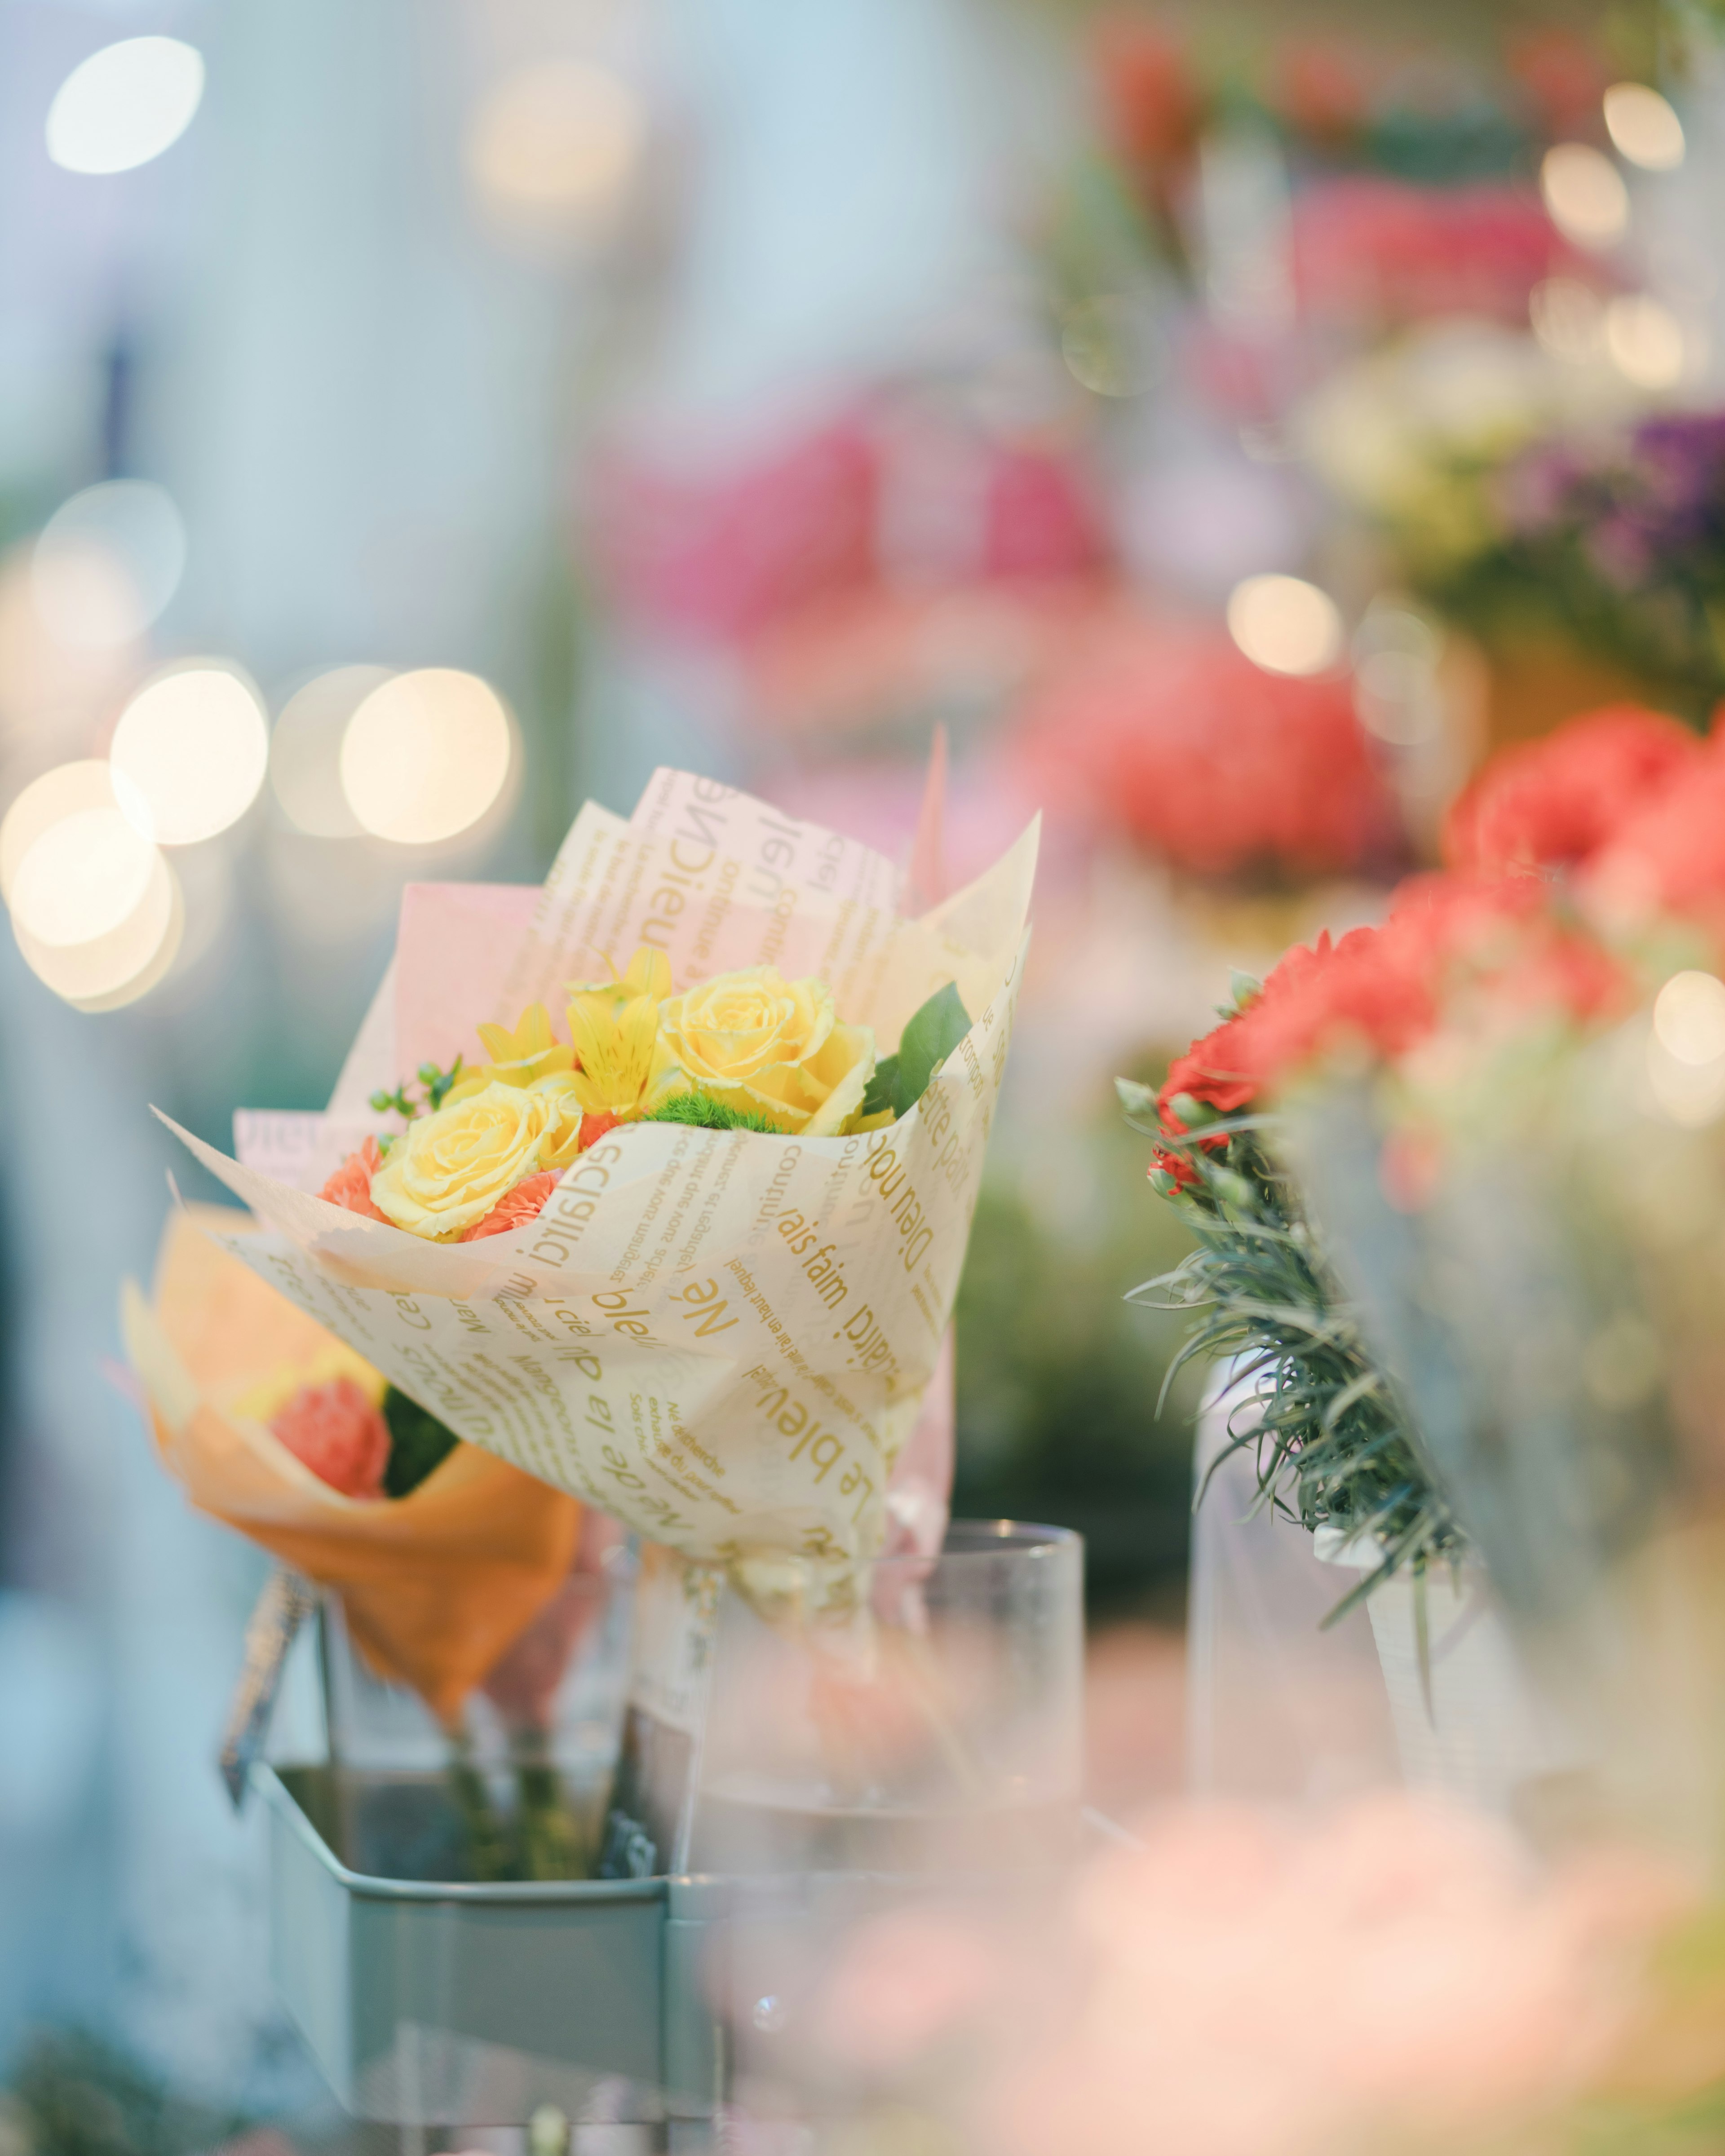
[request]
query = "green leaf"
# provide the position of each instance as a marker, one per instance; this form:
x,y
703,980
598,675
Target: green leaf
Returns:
x,y
419,1444
882,1089
900,1080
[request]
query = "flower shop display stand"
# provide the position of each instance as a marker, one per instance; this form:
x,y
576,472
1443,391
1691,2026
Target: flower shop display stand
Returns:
x,y
428,2003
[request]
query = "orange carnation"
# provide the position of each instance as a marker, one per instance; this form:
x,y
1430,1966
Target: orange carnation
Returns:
x,y
525,1202
339,1433
350,1185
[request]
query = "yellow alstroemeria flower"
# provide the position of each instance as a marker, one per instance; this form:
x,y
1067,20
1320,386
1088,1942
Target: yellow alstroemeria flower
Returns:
x,y
531,1052
626,1069
562,1140
649,975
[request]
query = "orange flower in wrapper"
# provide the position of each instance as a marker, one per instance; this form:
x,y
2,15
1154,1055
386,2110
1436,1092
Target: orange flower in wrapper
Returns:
x,y
339,1433
436,1585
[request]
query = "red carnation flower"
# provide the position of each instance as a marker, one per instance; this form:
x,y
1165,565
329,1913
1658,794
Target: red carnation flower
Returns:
x,y
1554,802
1668,856
1383,989
1170,732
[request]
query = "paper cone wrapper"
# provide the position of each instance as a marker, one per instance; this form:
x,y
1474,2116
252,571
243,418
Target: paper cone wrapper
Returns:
x,y
721,1338
436,1585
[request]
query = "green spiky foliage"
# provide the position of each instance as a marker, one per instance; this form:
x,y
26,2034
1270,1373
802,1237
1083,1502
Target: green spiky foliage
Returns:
x,y
1333,1445
702,1112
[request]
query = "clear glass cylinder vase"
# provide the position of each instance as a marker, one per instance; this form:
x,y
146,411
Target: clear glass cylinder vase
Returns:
x,y
942,1729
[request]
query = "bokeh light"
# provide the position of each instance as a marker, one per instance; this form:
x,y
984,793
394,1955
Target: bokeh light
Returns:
x,y
124,104
121,966
305,750
1111,346
1395,682
107,563
425,755
1689,1017
1584,194
1643,126
54,697
96,909
558,140
82,878
1285,624
1645,341
70,789
1686,1049
190,753
165,944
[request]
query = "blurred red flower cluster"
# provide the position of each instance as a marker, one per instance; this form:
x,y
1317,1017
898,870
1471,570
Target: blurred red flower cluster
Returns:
x,y
1367,247
1170,732
1558,856
1629,801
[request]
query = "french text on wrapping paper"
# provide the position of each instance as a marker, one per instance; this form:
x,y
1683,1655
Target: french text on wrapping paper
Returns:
x,y
870,1351
821,1445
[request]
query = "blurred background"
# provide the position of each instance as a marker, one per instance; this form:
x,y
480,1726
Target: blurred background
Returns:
x,y
418,415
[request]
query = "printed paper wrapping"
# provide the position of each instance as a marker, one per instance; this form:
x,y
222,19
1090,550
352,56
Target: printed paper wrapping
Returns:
x,y
721,1338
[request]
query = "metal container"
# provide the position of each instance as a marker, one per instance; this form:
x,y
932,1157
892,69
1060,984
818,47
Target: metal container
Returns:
x,y
441,2003
431,2003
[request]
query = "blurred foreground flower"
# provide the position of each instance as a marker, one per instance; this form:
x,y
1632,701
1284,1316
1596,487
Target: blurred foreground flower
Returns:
x,y
1401,1975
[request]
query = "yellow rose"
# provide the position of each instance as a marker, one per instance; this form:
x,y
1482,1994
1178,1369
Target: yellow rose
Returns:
x,y
771,1047
449,1169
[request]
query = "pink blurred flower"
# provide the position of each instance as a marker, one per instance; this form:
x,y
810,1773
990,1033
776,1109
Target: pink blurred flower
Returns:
x,y
907,1980
1255,1988
1667,855
1039,519
338,1432
717,544
1242,1983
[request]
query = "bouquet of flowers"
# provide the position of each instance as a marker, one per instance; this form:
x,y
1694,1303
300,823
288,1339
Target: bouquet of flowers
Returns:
x,y
1452,1179
690,1254
457,1575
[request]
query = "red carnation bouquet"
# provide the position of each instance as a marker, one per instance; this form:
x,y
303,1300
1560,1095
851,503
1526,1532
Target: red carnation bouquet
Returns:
x,y
1456,1179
